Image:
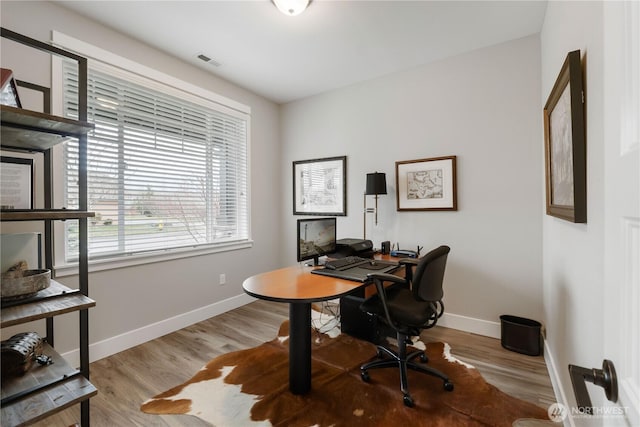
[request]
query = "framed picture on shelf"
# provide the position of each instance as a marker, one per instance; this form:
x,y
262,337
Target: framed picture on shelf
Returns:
x,y
16,183
320,186
427,184
565,149
9,89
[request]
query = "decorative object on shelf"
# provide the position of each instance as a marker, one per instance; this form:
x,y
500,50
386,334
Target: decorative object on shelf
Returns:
x,y
18,247
427,184
320,186
20,351
9,94
16,183
291,7
19,282
565,150
376,185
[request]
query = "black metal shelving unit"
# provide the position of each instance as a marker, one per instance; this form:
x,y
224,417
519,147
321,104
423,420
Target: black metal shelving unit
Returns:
x,y
44,391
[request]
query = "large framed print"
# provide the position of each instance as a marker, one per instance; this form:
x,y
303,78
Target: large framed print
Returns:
x,y
565,148
320,186
16,183
427,184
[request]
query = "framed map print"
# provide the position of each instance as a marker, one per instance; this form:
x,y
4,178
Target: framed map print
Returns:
x,y
427,184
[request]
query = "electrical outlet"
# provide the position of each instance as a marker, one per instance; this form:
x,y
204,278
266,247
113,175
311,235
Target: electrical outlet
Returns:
x,y
223,279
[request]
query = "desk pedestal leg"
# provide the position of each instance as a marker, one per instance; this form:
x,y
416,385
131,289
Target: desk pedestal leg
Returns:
x,y
300,348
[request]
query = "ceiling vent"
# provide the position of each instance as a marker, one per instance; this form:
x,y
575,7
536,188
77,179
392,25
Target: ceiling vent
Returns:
x,y
208,60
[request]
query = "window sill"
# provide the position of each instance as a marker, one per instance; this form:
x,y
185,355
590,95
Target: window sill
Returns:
x,y
148,258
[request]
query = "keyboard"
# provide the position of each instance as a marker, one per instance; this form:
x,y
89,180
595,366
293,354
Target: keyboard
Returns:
x,y
345,263
359,270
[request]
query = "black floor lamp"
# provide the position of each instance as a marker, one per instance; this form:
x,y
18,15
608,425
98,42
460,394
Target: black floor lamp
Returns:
x,y
376,185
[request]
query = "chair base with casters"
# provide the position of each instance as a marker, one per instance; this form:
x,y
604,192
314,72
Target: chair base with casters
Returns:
x,y
408,305
404,362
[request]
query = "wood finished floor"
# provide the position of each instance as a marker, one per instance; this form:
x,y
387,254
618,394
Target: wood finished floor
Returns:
x,y
127,379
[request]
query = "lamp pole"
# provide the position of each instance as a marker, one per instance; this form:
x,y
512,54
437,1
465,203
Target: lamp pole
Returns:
x,y
366,211
364,216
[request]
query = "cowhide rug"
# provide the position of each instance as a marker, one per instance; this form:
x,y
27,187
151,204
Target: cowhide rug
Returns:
x,y
250,388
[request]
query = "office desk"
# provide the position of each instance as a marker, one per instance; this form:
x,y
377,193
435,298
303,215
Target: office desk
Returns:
x,y
299,288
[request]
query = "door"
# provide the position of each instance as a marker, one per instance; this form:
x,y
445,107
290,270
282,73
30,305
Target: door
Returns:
x,y
622,205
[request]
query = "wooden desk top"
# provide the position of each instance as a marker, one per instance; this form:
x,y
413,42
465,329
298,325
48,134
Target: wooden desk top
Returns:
x,y
297,284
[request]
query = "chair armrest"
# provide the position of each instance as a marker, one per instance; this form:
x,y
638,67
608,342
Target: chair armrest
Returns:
x,y
409,261
386,277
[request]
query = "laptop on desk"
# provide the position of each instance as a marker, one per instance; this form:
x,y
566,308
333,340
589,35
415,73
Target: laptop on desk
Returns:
x,y
359,272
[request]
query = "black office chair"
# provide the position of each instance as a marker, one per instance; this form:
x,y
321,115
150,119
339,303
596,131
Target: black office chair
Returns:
x,y
408,305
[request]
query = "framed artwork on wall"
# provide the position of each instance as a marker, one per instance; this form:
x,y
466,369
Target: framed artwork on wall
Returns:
x,y
427,184
16,188
320,186
565,148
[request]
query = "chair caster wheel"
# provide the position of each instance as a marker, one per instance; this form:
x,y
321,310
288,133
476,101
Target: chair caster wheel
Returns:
x,y
424,358
448,386
365,376
408,401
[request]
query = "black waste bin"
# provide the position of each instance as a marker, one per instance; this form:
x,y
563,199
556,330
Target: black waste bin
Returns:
x,y
521,335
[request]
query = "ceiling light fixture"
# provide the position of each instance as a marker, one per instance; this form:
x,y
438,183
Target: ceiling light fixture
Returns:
x,y
291,7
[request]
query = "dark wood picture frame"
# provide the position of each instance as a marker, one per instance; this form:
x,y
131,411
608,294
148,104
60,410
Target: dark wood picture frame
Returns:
x,y
17,186
427,184
565,147
320,186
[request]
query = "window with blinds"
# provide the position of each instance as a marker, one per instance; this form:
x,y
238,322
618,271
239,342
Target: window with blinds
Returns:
x,y
164,172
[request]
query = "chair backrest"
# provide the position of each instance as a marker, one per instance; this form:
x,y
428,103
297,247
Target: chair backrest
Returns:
x,y
429,275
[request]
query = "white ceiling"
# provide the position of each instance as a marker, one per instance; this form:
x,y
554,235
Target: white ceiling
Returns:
x,y
331,45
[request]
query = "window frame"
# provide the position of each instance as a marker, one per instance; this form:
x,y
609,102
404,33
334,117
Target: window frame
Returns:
x,y
113,64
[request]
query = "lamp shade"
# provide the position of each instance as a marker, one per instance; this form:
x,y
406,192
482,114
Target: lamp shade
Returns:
x,y
376,183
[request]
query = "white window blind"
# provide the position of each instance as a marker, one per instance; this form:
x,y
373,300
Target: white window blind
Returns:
x,y
164,172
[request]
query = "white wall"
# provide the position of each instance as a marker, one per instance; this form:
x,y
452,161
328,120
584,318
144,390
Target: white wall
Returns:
x,y
483,107
134,303
573,271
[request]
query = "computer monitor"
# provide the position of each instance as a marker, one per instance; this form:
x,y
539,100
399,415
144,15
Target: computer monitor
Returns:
x,y
316,238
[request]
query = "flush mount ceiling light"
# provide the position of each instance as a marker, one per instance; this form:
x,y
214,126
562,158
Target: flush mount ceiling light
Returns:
x,y
291,7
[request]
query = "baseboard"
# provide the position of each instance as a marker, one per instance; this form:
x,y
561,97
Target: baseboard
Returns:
x,y
470,324
141,335
556,383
